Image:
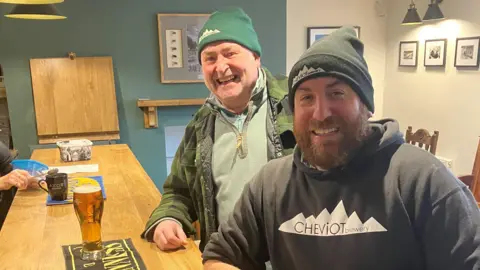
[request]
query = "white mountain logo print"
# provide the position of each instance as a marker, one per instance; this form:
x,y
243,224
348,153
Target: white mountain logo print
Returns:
x,y
335,224
208,32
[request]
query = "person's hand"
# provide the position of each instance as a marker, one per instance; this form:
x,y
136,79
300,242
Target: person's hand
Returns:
x,y
33,183
15,178
169,235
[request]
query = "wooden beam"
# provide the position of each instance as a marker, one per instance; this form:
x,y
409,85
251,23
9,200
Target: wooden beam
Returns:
x,y
47,139
150,117
169,102
149,107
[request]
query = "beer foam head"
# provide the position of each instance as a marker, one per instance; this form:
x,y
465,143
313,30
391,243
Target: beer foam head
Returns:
x,y
86,189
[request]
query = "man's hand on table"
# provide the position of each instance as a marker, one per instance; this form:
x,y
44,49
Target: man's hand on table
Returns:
x,y
15,178
169,235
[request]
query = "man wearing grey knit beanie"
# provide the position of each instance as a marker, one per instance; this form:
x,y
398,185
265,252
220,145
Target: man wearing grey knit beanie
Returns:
x,y
353,195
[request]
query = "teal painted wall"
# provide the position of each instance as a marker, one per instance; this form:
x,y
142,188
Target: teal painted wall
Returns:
x,y
127,31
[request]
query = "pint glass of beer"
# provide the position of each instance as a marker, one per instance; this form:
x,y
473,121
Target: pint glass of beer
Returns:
x,y
88,204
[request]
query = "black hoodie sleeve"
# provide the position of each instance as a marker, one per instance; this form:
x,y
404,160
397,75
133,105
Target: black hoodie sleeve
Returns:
x,y
451,232
240,241
5,158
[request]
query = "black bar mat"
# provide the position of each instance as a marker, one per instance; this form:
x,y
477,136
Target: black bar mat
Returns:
x,y
120,254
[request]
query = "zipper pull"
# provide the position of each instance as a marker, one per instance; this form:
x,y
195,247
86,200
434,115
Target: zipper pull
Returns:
x,y
239,141
240,147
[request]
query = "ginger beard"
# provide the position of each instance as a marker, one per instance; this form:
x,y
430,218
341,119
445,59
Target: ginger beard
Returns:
x,y
335,151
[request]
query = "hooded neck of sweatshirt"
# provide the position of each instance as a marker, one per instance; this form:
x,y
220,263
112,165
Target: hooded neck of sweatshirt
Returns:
x,y
383,134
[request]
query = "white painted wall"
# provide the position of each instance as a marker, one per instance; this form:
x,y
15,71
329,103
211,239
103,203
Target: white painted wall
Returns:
x,y
304,13
443,99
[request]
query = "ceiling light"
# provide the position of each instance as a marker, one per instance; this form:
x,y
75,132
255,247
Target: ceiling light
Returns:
x,y
412,16
433,11
35,12
34,2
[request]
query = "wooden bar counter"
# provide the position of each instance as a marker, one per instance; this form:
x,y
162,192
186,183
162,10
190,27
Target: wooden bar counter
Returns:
x,y
33,233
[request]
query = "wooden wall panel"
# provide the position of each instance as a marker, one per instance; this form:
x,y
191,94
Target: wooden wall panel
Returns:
x,y
74,96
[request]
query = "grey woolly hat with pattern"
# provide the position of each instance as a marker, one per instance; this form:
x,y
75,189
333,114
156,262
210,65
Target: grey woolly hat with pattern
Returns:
x,y
339,55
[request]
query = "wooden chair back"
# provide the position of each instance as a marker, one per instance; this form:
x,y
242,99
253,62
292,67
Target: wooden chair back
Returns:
x,y
472,180
475,186
423,139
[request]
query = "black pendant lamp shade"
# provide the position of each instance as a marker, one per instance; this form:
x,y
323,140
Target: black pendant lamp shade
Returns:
x,y
433,12
31,2
412,16
35,12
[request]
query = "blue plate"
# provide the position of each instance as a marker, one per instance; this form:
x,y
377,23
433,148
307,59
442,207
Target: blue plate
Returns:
x,y
33,167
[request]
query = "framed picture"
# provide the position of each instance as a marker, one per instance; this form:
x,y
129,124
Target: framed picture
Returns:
x,y
435,52
408,54
177,38
466,52
317,32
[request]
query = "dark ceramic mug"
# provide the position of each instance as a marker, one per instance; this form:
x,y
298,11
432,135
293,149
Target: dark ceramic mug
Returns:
x,y
57,185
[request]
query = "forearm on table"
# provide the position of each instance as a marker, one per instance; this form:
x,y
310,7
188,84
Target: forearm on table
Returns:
x,y
151,229
217,265
165,211
176,203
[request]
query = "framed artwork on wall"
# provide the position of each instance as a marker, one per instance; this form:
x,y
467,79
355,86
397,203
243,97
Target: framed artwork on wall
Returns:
x,y
408,53
316,32
435,52
177,38
466,52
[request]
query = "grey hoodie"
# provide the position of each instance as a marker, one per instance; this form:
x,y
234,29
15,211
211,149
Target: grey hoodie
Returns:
x,y
392,206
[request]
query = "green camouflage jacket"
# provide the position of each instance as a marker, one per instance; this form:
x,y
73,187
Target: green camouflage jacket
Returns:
x,y
189,190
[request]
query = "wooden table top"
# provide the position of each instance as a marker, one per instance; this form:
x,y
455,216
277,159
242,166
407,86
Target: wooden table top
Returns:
x,y
32,235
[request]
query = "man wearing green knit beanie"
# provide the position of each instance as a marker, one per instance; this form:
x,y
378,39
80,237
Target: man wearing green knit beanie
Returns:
x,y
244,123
233,25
